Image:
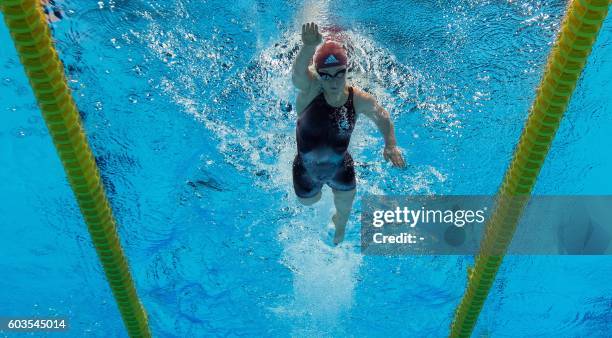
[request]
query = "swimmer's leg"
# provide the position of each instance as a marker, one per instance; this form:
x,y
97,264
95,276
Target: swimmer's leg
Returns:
x,y
310,200
343,200
307,189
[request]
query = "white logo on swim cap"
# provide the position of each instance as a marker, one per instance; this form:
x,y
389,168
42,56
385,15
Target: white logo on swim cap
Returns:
x,y
331,59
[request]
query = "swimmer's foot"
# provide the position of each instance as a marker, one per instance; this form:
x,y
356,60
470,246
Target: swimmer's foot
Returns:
x,y
340,228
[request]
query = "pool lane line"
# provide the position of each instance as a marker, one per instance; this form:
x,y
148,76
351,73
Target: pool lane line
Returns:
x,y
566,61
32,39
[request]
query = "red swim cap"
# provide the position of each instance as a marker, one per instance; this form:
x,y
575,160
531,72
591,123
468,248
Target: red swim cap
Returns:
x,y
330,54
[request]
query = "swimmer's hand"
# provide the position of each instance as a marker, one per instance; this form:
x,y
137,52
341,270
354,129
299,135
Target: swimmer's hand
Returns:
x,y
393,154
311,35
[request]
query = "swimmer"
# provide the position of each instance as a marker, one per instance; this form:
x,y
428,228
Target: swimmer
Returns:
x,y
327,111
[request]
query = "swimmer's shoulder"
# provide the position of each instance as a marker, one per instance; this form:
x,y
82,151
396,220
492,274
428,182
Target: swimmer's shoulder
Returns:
x,y
362,100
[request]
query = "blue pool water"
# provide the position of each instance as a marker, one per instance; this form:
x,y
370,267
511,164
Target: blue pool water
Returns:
x,y
188,107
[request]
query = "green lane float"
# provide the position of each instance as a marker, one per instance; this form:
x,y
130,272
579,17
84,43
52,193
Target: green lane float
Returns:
x,y
566,61
32,39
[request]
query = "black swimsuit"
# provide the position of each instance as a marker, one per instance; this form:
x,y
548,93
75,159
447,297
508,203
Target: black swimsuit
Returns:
x,y
323,134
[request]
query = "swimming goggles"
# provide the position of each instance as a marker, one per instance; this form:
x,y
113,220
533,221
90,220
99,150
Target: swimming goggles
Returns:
x,y
339,75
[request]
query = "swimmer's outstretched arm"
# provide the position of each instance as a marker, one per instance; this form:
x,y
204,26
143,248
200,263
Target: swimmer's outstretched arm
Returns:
x,y
301,76
366,104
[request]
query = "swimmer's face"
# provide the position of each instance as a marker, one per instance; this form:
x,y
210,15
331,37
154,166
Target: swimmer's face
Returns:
x,y
333,79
